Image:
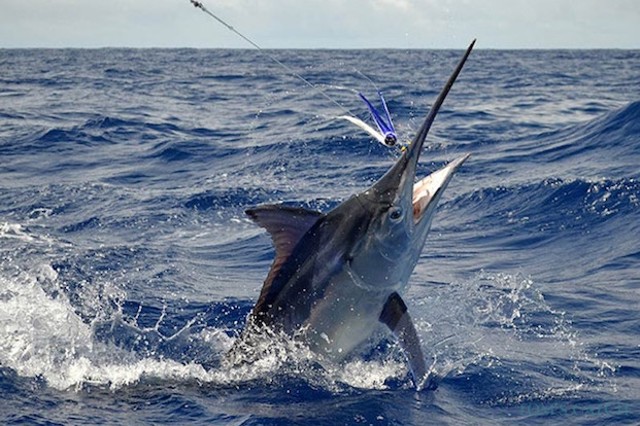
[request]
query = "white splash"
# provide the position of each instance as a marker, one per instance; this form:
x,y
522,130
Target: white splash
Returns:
x,y
41,335
484,321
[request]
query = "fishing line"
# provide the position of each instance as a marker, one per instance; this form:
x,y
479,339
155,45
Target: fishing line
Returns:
x,y
373,83
287,68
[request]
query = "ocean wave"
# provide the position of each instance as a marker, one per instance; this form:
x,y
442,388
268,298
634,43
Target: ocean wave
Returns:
x,y
128,266
609,142
553,204
538,226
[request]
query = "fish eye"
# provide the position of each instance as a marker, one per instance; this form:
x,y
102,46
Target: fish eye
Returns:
x,y
395,213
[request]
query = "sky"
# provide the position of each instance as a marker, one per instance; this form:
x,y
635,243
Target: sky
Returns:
x,y
499,24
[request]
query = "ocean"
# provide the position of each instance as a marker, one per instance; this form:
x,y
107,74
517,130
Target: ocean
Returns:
x,y
128,266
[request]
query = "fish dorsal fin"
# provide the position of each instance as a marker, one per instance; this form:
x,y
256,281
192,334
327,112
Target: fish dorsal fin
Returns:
x,y
287,226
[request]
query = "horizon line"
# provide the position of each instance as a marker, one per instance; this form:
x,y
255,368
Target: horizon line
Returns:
x,y
106,47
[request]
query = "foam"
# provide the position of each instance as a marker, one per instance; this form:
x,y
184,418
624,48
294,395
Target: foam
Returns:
x,y
13,230
41,335
490,319
38,332
502,321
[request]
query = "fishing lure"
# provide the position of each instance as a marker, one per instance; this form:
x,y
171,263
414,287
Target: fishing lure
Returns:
x,y
386,133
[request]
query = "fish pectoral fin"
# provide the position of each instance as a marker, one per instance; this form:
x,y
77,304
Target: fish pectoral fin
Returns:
x,y
394,314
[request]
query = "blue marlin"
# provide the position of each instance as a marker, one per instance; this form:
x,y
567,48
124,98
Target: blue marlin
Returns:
x,y
337,277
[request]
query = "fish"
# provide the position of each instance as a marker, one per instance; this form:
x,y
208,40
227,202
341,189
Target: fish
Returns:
x,y
338,277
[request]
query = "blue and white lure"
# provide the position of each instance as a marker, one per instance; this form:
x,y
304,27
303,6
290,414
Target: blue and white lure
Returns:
x,y
386,133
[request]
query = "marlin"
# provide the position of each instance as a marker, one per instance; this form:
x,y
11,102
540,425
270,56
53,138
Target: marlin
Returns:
x,y
337,277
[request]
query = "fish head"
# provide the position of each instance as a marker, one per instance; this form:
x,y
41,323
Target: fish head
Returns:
x,y
399,212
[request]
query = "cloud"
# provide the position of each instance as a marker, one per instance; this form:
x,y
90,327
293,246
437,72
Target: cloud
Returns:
x,y
322,23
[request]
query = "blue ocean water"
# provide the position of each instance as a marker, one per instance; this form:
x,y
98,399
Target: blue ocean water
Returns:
x,y
128,266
